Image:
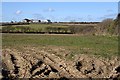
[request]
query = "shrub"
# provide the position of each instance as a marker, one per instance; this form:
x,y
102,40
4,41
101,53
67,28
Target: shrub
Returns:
x,y
57,29
108,26
81,29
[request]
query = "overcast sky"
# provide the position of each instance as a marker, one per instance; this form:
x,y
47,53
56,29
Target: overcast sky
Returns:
x,y
59,11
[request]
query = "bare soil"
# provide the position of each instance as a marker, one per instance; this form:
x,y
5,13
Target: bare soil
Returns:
x,y
52,63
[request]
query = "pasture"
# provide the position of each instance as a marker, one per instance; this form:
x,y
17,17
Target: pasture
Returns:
x,y
104,46
58,55
58,28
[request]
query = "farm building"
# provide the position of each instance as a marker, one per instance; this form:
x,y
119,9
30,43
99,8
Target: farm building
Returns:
x,y
36,21
46,21
26,20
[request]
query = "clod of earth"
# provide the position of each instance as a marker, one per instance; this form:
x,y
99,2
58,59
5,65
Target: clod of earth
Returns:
x,y
118,69
38,63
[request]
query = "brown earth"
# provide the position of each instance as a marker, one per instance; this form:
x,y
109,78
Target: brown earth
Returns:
x,y
52,63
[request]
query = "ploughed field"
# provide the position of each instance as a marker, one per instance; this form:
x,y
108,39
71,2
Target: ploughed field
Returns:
x,y
60,56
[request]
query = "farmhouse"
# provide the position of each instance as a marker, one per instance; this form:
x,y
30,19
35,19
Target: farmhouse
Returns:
x,y
27,21
36,21
46,21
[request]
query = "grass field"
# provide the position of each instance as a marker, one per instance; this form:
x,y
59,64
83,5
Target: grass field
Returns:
x,y
48,28
104,46
42,26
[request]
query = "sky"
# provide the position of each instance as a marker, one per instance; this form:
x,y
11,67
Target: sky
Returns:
x,y
59,11
59,0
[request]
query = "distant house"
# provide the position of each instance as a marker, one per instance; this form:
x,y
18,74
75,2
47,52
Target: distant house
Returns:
x,y
46,21
36,21
49,21
27,20
13,21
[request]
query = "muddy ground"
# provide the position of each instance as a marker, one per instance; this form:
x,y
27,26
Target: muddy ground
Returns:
x,y
52,63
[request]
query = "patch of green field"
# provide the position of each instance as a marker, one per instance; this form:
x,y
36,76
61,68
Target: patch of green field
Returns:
x,y
54,27
41,26
98,45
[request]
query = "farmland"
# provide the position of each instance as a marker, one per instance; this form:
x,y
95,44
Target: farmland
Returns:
x,y
60,50
60,55
60,40
57,28
99,44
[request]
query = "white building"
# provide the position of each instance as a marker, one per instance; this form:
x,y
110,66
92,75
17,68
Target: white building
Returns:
x,y
46,21
36,21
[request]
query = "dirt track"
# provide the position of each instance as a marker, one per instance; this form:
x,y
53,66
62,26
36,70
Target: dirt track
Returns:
x,y
41,63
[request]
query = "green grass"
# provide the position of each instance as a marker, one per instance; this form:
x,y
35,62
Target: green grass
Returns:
x,y
42,26
98,45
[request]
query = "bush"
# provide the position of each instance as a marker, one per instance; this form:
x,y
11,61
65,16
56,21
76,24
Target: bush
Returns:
x,y
81,29
108,26
57,29
16,29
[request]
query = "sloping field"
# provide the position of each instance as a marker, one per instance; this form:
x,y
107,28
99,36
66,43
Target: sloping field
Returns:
x,y
60,56
34,62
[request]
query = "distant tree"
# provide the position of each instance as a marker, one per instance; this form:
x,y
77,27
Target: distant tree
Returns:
x,y
12,22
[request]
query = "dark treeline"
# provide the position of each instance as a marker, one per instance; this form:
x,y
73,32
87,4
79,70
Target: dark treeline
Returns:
x,y
78,22
24,23
16,23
